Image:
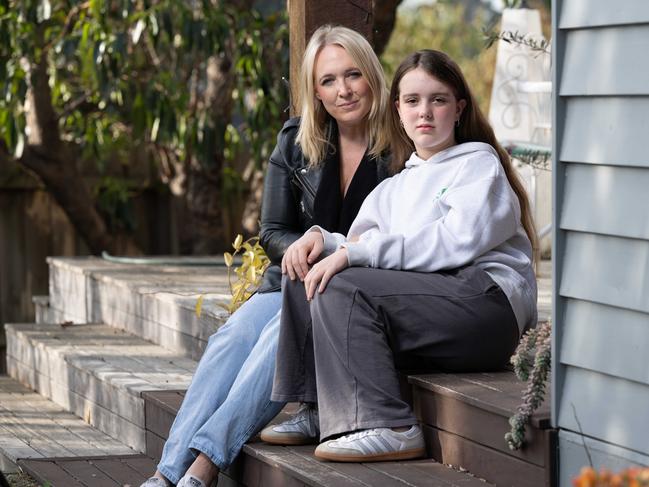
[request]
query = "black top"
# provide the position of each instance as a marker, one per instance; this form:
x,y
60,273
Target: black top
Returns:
x,y
332,211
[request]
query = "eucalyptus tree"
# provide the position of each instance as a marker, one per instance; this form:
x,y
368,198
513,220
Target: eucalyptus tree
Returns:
x,y
97,80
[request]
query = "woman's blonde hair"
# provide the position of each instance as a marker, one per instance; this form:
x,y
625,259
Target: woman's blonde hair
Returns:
x,y
472,126
312,134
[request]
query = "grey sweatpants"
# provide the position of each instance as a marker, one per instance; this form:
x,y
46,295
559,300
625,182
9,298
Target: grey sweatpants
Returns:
x,y
343,349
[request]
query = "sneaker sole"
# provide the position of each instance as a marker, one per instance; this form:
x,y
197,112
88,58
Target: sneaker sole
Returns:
x,y
288,440
378,457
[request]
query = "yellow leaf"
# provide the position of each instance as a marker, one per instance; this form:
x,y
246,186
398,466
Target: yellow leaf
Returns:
x,y
246,276
199,305
251,274
238,241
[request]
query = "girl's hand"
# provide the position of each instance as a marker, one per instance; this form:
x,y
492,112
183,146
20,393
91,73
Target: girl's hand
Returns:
x,y
301,254
323,271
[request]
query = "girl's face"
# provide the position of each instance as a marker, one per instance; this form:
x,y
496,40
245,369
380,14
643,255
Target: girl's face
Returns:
x,y
341,87
428,110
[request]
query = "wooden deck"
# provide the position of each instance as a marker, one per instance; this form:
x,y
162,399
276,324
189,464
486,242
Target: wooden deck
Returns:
x,y
59,465
32,426
124,367
113,471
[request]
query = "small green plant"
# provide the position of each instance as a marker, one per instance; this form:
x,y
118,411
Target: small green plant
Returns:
x,y
531,363
536,156
538,45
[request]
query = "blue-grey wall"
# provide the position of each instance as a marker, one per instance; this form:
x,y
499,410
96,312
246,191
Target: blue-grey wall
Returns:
x,y
601,242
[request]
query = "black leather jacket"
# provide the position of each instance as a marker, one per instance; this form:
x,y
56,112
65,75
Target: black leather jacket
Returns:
x,y
287,206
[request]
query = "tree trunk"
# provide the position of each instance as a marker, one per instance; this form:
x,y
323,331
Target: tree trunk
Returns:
x,y
385,14
205,233
47,156
204,183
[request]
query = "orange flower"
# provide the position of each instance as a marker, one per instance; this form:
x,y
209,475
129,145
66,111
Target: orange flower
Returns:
x,y
587,478
630,477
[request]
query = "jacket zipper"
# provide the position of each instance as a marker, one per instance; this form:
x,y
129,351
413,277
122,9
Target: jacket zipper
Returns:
x,y
306,187
305,184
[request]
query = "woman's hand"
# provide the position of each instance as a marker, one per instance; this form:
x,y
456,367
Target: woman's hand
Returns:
x,y
323,271
301,254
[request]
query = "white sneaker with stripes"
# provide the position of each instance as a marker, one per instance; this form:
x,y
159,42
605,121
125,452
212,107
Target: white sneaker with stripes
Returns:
x,y
374,445
301,429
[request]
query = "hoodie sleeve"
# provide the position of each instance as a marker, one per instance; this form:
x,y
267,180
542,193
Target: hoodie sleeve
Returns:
x,y
331,240
479,212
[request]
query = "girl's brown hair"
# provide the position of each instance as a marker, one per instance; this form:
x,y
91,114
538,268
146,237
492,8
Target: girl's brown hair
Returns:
x,y
473,125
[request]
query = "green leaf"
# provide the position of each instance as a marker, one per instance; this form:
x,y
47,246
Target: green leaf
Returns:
x,y
199,306
96,7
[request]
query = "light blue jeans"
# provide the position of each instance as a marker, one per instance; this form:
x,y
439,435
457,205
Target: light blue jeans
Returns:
x,y
228,400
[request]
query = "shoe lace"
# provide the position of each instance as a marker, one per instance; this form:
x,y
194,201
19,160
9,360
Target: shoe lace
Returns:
x,y
304,412
359,434
305,406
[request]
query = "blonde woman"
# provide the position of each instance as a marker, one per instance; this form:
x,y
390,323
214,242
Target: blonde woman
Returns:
x,y
323,166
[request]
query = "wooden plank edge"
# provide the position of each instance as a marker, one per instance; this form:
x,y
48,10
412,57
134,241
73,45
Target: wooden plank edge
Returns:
x,y
540,419
484,462
48,472
475,424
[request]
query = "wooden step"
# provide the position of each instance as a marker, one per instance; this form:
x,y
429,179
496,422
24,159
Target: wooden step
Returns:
x,y
260,464
43,313
465,418
97,372
33,427
113,471
156,302
269,467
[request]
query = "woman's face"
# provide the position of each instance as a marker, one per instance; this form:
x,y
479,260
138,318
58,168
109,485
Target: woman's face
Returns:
x,y
341,87
428,110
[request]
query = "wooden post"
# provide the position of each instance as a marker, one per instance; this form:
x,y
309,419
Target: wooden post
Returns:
x,y
305,16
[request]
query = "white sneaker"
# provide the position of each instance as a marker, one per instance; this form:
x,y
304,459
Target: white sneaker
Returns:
x,y
301,429
190,481
374,445
155,482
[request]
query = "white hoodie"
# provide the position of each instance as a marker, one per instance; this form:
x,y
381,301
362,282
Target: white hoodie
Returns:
x,y
454,209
